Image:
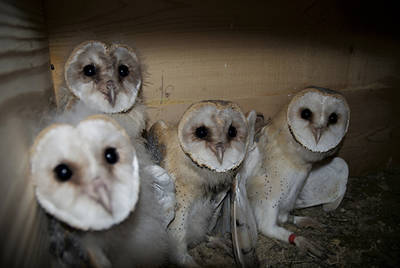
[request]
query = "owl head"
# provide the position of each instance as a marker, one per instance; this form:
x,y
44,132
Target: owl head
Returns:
x,y
86,175
318,118
107,78
214,134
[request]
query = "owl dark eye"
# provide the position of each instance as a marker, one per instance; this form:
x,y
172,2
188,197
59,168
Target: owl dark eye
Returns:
x,y
306,114
63,172
111,155
201,132
123,70
232,132
89,70
332,119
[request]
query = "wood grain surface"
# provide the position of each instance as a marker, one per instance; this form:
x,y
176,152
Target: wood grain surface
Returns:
x,y
24,49
257,53
24,75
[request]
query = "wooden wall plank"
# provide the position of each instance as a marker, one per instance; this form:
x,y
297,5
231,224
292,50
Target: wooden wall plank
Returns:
x,y
24,11
24,49
256,53
22,45
25,87
23,60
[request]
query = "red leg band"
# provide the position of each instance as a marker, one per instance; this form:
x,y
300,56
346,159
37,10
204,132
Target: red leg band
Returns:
x,y
291,239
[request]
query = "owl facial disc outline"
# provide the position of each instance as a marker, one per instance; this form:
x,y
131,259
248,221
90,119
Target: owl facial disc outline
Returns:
x,y
85,178
214,135
105,77
318,120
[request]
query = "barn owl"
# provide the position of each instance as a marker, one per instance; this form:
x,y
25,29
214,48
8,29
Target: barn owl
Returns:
x,y
202,154
306,131
90,178
107,78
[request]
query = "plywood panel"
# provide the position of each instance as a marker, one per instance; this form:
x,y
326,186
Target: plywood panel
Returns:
x,y
373,140
24,50
257,53
24,72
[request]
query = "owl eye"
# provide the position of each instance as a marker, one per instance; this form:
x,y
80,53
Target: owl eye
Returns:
x,y
232,132
306,114
111,155
201,132
332,119
123,70
89,70
63,172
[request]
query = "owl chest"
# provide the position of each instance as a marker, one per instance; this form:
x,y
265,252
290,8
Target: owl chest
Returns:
x,y
194,177
188,183
116,244
286,180
252,164
194,185
290,185
133,121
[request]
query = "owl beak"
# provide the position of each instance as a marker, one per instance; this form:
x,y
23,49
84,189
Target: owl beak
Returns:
x,y
111,92
317,132
219,150
100,192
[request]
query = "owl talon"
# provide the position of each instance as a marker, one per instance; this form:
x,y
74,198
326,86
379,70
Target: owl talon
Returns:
x,y
187,261
305,222
308,246
220,242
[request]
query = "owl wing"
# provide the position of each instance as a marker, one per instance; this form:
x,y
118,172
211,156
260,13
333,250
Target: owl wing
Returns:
x,y
156,140
251,123
164,188
243,222
260,123
326,184
243,226
66,246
